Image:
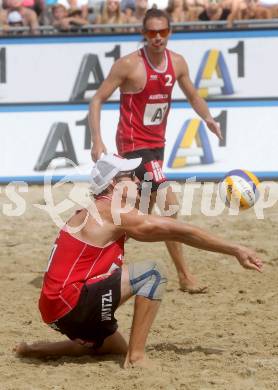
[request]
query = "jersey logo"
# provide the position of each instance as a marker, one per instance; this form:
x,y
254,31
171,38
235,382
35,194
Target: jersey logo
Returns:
x,y
158,96
154,113
106,306
153,77
154,168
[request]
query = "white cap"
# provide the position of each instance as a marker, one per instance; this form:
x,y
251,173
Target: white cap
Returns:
x,y
107,167
14,17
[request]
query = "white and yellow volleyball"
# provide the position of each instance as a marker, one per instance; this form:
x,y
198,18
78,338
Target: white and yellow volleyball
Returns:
x,y
239,189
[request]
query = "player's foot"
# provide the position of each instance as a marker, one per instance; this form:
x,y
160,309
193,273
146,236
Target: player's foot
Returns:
x,y
190,285
138,362
23,350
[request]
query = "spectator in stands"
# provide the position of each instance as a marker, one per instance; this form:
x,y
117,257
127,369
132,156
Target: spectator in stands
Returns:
x,y
141,7
36,5
213,12
128,7
95,6
272,5
73,6
63,20
111,14
255,11
17,15
179,11
243,9
197,6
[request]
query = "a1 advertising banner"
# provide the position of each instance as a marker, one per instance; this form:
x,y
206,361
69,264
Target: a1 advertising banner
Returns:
x,y
223,65
54,141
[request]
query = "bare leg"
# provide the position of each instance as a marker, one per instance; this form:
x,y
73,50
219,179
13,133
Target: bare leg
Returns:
x,y
187,281
114,344
45,349
145,311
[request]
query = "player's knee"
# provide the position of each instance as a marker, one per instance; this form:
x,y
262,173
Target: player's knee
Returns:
x,y
148,279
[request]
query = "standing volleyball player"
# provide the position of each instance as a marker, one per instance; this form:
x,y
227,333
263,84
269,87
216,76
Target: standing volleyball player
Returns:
x,y
146,78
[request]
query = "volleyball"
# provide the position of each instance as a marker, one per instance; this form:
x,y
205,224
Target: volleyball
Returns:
x,y
239,188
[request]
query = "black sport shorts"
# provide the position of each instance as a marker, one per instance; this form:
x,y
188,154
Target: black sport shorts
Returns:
x,y
93,319
152,160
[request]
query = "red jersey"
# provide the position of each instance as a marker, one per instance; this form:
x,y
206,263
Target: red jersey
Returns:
x,y
72,263
143,115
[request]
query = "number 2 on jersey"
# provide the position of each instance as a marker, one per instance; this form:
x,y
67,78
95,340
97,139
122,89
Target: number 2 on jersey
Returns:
x,y
169,80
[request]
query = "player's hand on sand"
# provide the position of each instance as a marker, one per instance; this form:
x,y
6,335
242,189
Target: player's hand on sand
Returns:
x,y
214,127
97,149
249,259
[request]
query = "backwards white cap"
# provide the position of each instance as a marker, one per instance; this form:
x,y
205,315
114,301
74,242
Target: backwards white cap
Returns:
x,y
107,167
14,17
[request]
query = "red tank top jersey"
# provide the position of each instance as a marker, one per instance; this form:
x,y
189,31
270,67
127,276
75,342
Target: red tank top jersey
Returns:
x,y
72,263
143,115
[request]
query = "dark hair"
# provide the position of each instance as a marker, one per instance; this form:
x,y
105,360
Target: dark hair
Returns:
x,y
155,13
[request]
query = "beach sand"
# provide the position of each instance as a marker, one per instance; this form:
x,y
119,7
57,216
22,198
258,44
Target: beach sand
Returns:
x,y
226,339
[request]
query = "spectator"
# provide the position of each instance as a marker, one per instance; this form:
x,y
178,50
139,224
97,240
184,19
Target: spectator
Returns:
x,y
111,14
214,12
128,7
95,6
17,15
235,7
243,9
63,20
197,6
272,5
178,11
46,16
255,11
36,5
73,5
141,7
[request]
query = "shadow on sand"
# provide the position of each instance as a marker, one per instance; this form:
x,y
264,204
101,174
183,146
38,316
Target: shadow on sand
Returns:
x,y
170,347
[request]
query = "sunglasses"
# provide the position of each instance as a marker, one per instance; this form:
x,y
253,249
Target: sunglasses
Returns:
x,y
153,33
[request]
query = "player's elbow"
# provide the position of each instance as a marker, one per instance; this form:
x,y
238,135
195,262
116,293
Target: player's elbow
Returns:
x,y
96,101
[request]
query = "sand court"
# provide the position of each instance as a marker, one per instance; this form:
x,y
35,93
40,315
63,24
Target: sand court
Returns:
x,y
225,339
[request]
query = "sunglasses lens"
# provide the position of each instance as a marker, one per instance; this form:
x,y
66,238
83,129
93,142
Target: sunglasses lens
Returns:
x,y
164,32
153,33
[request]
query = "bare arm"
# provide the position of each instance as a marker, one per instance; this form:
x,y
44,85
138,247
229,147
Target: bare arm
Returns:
x,y
114,80
77,20
3,19
32,20
263,13
198,103
235,13
151,228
